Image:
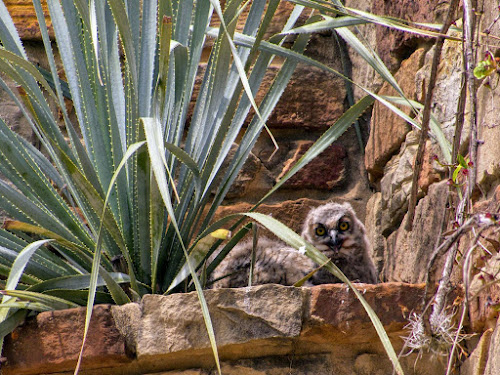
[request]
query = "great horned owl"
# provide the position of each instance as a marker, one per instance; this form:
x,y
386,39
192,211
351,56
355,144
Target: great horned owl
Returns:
x,y
332,228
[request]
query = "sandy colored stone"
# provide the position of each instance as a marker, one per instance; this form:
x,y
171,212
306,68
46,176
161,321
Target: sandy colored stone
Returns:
x,y
388,130
175,324
493,364
447,87
373,223
268,329
476,362
325,172
488,121
408,253
362,72
395,185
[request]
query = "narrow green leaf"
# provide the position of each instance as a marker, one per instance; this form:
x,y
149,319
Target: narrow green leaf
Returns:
x,y
158,169
76,282
54,302
33,306
455,173
461,161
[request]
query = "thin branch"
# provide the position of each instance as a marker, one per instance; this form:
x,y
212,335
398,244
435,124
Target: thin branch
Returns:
x,y
471,82
438,252
427,113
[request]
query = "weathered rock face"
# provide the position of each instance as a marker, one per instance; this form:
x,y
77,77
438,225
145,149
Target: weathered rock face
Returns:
x,y
408,253
373,223
325,172
393,45
395,186
447,88
388,130
259,330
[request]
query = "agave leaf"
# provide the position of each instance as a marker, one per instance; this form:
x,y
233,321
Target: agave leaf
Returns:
x,y
18,267
371,57
22,63
326,23
237,62
28,305
29,228
336,7
9,36
294,240
397,24
197,254
125,30
43,264
80,297
95,201
114,288
75,282
55,303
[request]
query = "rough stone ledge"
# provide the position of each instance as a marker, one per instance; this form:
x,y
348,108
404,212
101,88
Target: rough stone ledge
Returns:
x,y
164,333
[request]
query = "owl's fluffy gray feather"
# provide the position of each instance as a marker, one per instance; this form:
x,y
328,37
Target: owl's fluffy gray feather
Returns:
x,y
332,228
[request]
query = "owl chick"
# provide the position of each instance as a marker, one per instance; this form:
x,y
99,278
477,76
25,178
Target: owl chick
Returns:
x,y
333,228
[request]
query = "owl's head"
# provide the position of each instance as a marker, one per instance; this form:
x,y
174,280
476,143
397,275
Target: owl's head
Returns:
x,y
332,227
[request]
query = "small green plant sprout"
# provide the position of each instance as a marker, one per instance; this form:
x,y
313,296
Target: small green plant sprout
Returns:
x,y
460,168
463,166
487,66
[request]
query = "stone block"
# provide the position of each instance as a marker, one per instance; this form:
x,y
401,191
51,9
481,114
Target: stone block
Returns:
x,y
350,316
488,122
446,87
175,324
493,364
476,362
395,186
325,172
373,224
51,343
362,72
394,46
408,253
388,130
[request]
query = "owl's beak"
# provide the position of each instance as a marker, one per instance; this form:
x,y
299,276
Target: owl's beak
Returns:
x,y
335,242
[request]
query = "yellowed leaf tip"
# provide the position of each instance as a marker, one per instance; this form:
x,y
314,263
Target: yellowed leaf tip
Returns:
x,y
221,234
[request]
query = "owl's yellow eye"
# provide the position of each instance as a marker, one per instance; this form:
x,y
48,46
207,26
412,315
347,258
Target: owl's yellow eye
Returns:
x,y
320,231
343,226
